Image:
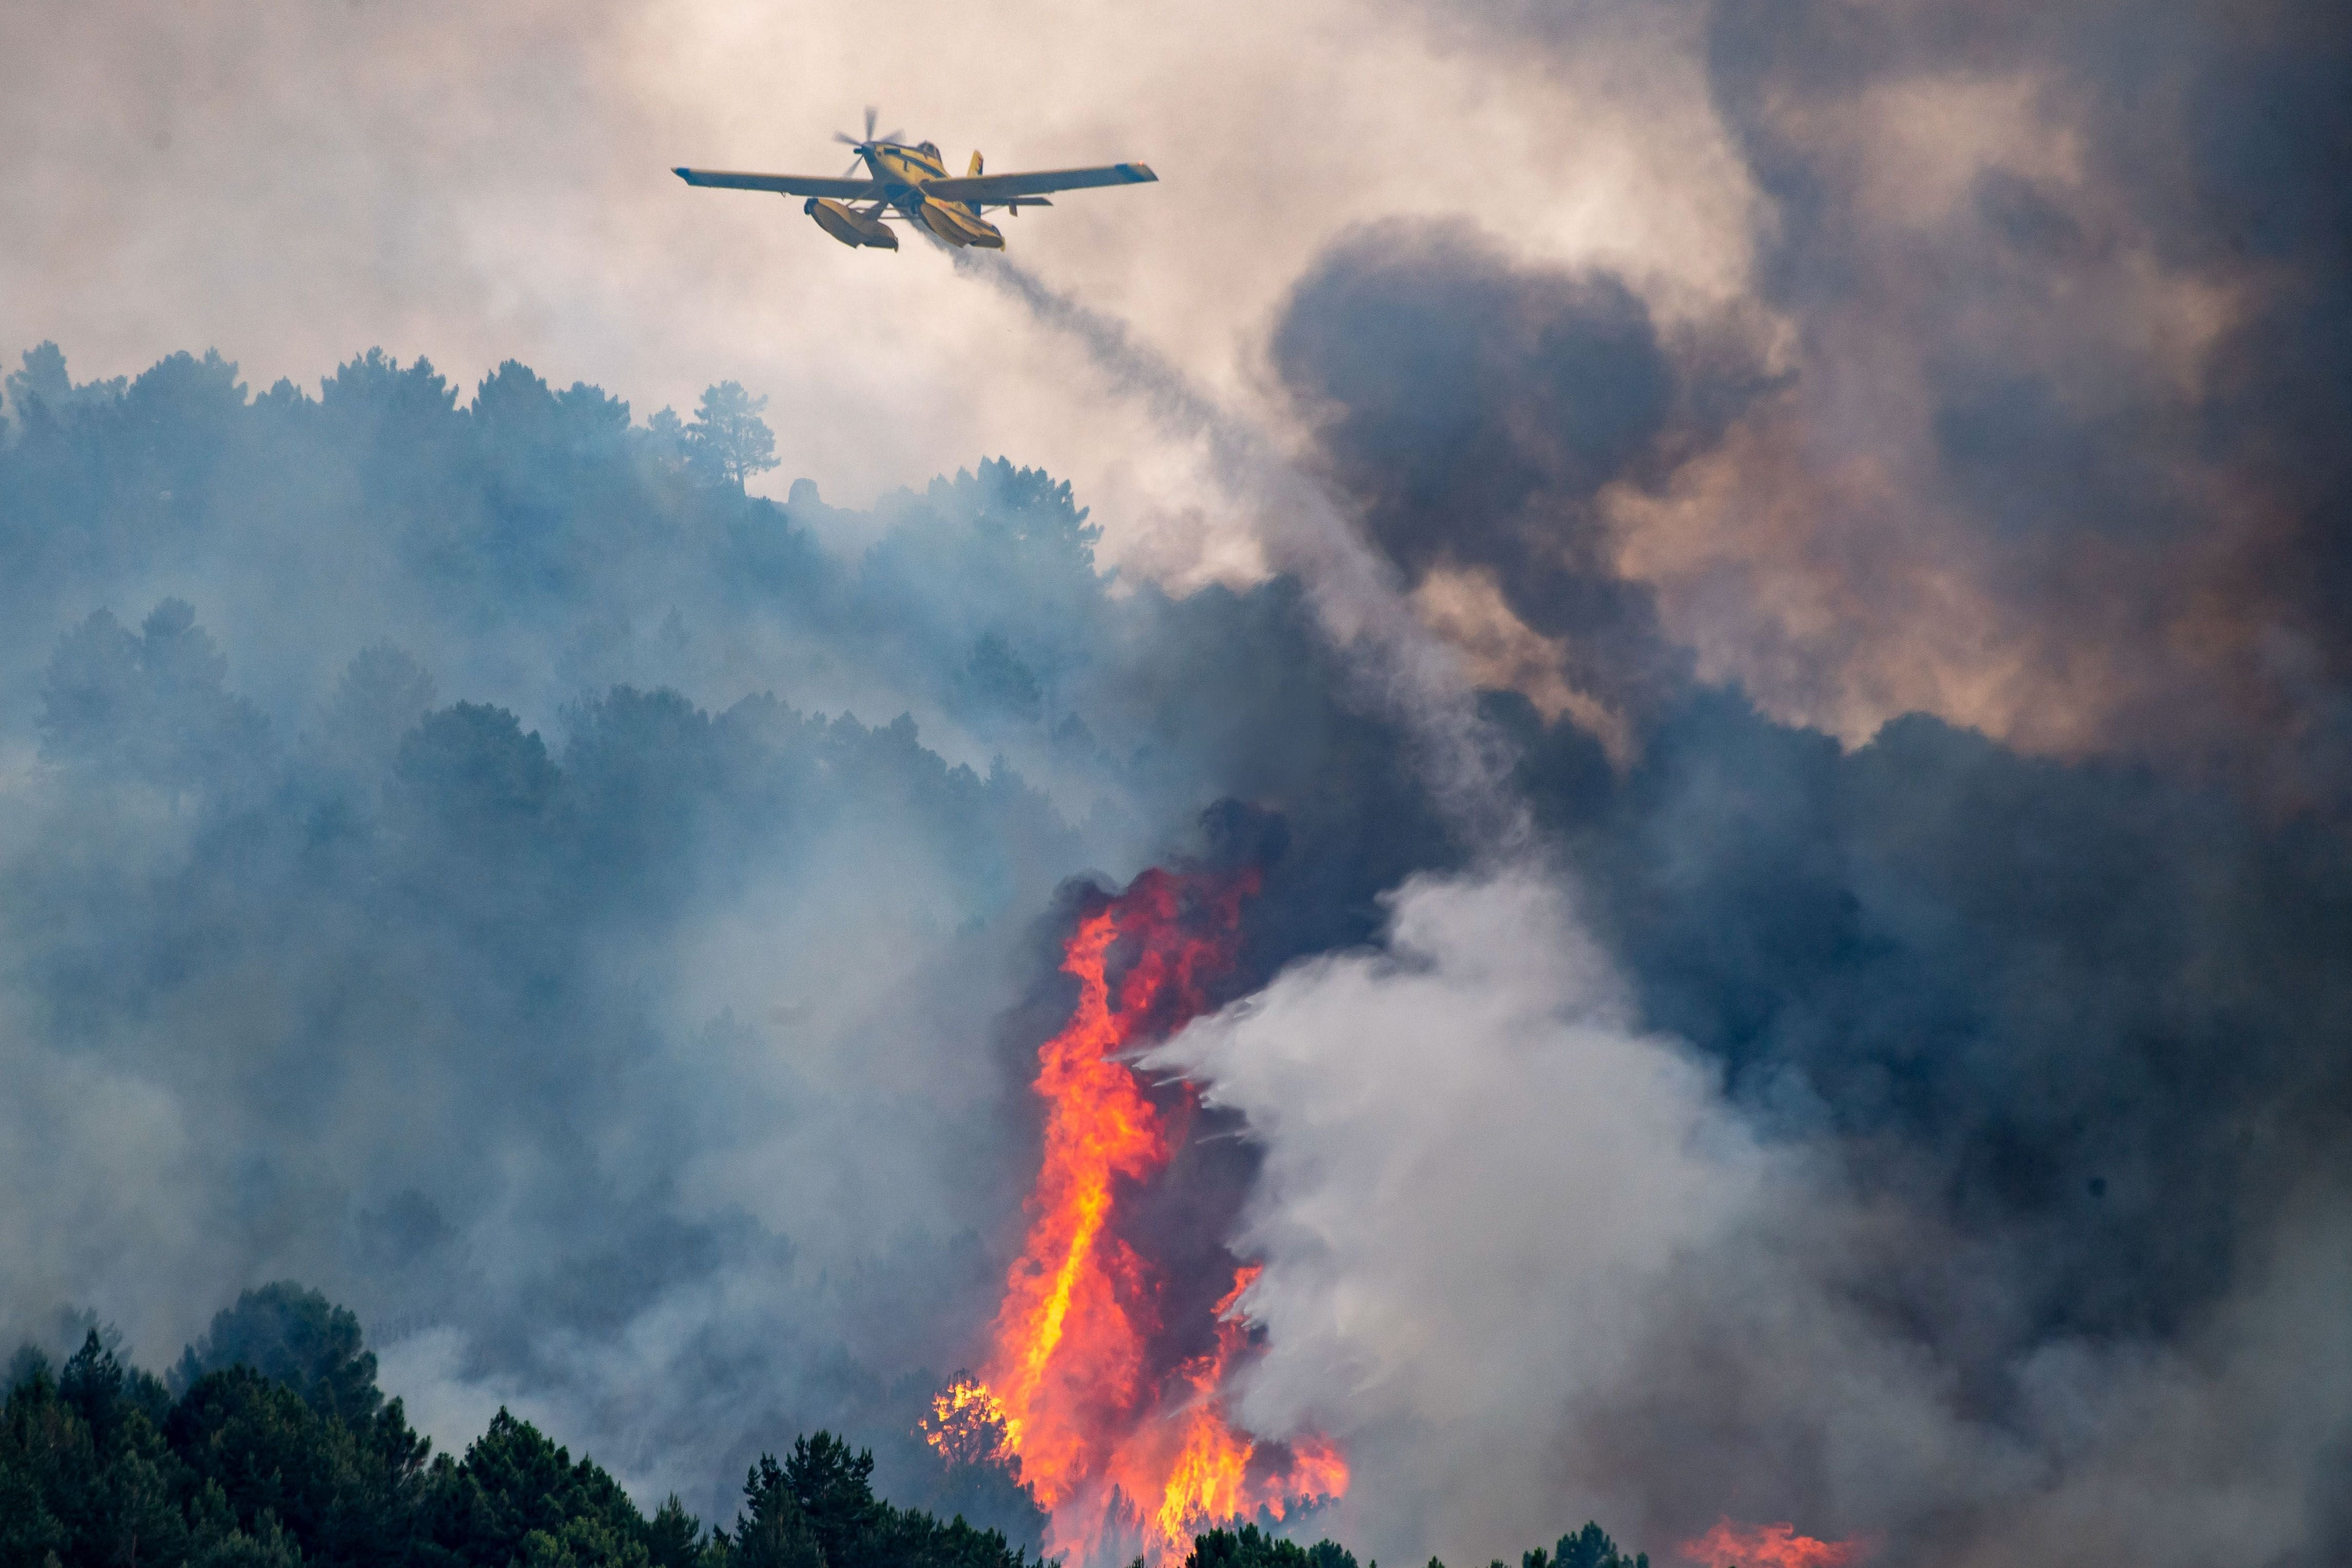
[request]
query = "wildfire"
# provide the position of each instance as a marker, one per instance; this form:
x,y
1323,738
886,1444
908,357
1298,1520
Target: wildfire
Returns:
x,y
967,1424
1118,1449
1769,1546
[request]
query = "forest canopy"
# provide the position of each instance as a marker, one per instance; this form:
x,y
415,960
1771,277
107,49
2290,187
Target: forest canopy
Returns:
x,y
472,853
269,1446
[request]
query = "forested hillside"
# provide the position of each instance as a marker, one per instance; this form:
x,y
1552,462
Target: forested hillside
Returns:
x,y
554,891
470,855
269,1446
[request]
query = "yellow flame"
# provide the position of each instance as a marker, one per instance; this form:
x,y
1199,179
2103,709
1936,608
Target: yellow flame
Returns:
x,y
968,1425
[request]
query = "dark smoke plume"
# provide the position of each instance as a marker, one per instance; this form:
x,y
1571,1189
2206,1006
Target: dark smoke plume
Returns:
x,y
2043,1060
1476,411
2062,301
465,854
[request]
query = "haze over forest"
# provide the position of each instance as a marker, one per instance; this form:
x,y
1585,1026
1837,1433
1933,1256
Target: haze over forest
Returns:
x,y
1802,803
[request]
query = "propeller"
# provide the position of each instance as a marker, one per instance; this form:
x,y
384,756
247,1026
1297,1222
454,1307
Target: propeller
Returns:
x,y
846,140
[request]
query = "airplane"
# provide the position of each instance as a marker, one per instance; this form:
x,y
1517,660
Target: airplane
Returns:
x,y
906,182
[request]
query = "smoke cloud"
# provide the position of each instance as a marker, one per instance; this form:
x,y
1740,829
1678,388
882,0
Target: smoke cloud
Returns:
x,y
1777,649
1517,1250
2059,301
558,1042
1477,1171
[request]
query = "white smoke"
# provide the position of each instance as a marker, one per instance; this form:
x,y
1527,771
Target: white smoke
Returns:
x,y
1529,1267
1477,1174
1400,668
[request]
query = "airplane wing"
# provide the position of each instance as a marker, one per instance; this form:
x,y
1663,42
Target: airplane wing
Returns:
x,y
1003,187
848,190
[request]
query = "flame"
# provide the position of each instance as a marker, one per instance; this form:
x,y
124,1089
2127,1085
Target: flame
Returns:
x,y
967,1424
1769,1546
1118,1450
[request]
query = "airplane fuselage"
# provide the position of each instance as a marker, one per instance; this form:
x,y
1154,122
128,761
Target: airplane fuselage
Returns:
x,y
902,172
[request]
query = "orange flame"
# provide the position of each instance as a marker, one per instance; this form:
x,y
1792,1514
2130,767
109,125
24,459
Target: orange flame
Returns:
x,y
1769,1546
966,1425
1112,1447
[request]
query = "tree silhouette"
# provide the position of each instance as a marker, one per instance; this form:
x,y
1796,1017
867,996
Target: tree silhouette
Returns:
x,y
728,440
280,1452
150,706
296,1337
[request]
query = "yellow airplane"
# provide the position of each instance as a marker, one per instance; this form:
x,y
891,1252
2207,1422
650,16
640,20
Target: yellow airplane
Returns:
x,y
908,184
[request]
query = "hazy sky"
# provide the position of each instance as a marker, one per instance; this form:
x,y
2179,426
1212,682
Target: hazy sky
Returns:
x,y
295,184
1949,229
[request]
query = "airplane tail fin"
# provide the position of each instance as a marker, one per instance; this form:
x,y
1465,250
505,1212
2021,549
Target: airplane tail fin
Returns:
x,y
973,172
